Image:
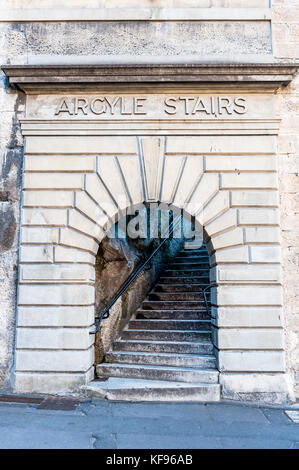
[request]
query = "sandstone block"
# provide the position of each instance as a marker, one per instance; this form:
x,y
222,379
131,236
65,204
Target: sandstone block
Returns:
x,y
229,238
81,145
57,181
81,223
42,216
57,272
40,235
231,255
36,254
60,163
56,316
251,361
70,255
253,273
217,206
89,208
253,317
34,382
193,169
48,199
231,338
224,144
254,198
264,387
258,216
235,163
206,189
96,189
54,361
56,294
249,180
247,295
222,223
72,238
265,254
54,338
262,235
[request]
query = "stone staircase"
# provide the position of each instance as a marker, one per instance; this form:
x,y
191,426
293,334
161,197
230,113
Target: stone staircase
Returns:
x,y
165,353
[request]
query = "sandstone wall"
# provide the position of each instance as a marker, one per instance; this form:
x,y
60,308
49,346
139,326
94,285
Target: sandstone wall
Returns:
x,y
11,152
286,47
39,42
26,4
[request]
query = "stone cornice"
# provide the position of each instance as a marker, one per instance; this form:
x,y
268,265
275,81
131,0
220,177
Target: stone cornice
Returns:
x,y
134,14
37,127
38,78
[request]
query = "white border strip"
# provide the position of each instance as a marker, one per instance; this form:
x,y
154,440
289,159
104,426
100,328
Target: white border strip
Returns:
x,y
134,14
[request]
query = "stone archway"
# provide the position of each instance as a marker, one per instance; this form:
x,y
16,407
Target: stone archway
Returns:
x,y
135,236
80,171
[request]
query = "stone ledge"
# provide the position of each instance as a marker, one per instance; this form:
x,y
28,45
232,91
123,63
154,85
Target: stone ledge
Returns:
x,y
133,127
258,387
51,382
134,14
53,77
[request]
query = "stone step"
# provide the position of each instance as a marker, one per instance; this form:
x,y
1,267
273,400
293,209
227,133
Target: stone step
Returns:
x,y
182,296
191,259
140,371
189,325
197,271
167,347
164,335
172,304
199,280
198,247
198,266
161,359
173,314
184,264
132,390
192,254
175,347
186,252
182,287
186,273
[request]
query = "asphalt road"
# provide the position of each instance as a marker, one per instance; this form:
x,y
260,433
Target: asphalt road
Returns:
x,y
98,424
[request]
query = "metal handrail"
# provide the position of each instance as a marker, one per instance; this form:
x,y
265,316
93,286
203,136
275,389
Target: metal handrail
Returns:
x,y
204,291
105,314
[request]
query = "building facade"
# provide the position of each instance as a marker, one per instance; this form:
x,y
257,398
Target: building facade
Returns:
x,y
182,102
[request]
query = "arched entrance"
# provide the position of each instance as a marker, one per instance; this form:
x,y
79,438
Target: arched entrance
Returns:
x,y
156,342
82,169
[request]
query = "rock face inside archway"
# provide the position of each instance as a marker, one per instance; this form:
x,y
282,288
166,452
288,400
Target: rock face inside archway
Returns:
x,y
208,147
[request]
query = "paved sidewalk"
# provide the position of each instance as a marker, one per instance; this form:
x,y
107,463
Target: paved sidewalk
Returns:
x,y
98,424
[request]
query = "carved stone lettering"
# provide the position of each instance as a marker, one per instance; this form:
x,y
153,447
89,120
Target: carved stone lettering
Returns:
x,y
153,106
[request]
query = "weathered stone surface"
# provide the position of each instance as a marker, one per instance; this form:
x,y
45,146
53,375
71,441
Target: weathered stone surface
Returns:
x,y
60,360
265,388
8,227
51,383
250,191
123,41
265,361
285,46
139,3
115,261
11,106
